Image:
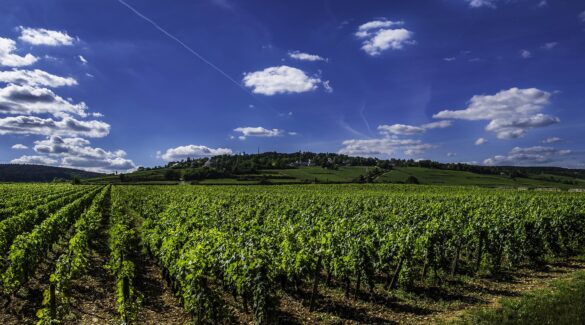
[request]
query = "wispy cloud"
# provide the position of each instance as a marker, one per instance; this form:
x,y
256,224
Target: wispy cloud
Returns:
x,y
41,36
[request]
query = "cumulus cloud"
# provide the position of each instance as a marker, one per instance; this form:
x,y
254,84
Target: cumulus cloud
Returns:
x,y
41,36
192,151
15,99
552,140
301,56
67,126
34,160
404,129
511,129
258,132
384,147
482,3
10,59
19,146
480,141
380,35
537,155
78,153
280,80
510,112
35,78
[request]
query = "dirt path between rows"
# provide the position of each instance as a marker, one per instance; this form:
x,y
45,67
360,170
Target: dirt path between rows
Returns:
x,y
159,305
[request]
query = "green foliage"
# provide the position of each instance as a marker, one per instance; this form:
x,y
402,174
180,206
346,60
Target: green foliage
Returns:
x,y
29,249
251,240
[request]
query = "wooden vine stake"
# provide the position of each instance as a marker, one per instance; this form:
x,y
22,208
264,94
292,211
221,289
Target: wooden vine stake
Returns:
x,y
52,301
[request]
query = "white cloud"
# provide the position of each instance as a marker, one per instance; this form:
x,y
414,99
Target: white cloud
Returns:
x,y
582,16
19,146
404,129
437,125
384,147
378,36
280,80
82,59
41,36
511,129
297,55
449,59
192,151
35,78
552,140
15,99
9,59
543,3
510,112
451,154
549,45
34,160
258,132
77,153
480,141
401,129
68,126
537,155
482,3
525,54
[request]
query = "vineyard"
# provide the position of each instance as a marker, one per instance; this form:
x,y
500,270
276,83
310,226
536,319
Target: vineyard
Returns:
x,y
272,254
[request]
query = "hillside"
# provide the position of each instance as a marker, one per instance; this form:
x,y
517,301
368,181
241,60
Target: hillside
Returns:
x,y
39,173
308,167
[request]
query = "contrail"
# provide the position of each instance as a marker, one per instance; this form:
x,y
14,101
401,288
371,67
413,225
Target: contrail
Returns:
x,y
187,47
364,118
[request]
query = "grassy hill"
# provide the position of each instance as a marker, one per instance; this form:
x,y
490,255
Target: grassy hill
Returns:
x,y
38,173
451,177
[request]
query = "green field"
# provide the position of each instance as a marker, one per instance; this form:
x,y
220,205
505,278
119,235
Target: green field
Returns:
x,y
450,177
312,174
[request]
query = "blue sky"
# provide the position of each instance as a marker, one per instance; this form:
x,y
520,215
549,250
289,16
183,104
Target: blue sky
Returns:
x,y
112,85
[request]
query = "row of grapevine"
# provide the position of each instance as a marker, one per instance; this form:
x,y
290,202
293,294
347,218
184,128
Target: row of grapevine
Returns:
x,y
252,242
74,262
29,200
29,249
123,244
26,220
13,194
